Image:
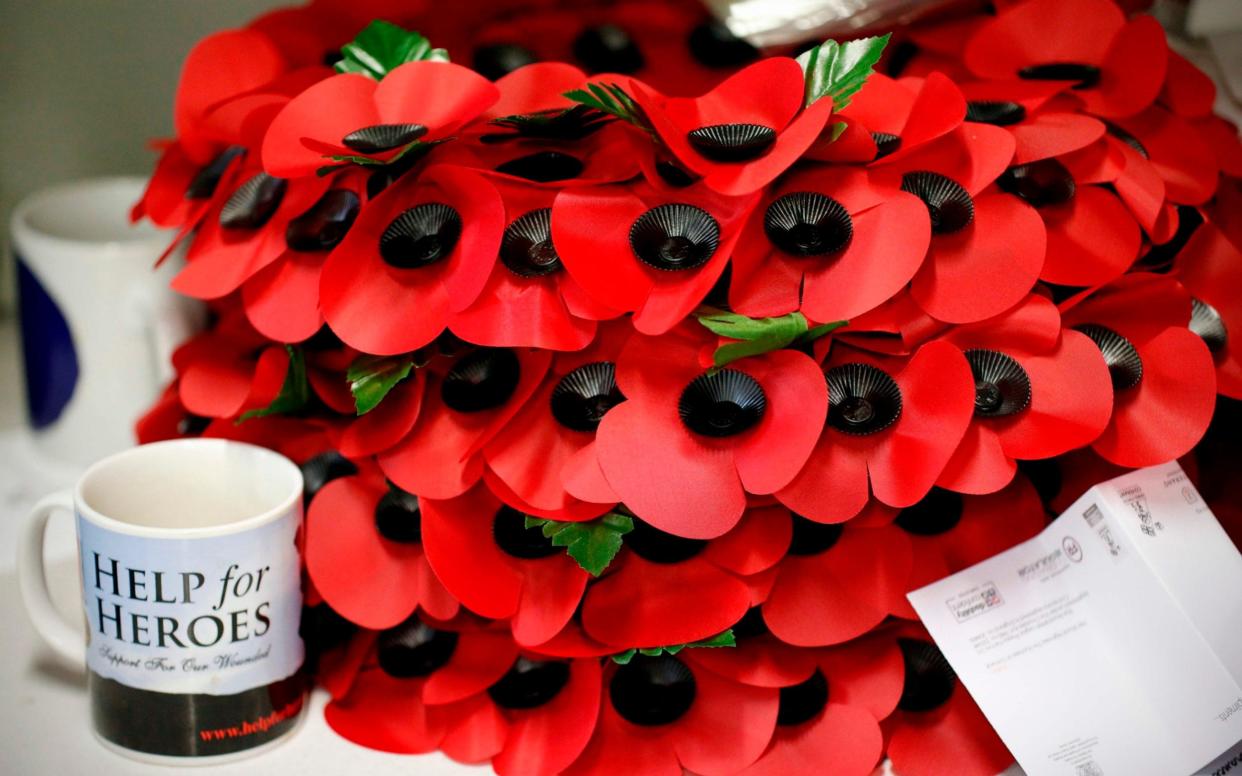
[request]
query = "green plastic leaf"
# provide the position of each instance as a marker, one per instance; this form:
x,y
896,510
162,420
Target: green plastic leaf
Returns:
x,y
754,335
839,70
835,130
372,377
724,639
294,391
415,147
623,658
610,99
822,330
593,543
382,47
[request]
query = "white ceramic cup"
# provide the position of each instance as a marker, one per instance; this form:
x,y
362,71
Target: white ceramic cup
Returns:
x,y
191,591
98,321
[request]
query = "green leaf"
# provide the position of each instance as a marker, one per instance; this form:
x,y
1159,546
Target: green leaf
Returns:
x,y
382,46
593,543
839,70
754,335
294,392
724,639
835,130
610,99
372,377
822,330
417,146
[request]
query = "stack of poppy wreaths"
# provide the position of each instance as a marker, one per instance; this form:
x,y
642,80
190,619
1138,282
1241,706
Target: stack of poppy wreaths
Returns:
x,y
629,418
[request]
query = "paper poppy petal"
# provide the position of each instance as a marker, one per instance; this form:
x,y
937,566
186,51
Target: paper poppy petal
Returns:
x,y
761,661
385,713
332,108
617,741
590,223
938,108
479,660
728,726
1046,135
216,387
457,537
551,591
522,312
338,668
1177,153
1132,71
548,739
1210,267
832,487
757,543
845,736
979,465
584,479
479,733
1187,91
441,96
388,423
957,740
797,404
1043,31
282,300
1091,239
535,87
866,673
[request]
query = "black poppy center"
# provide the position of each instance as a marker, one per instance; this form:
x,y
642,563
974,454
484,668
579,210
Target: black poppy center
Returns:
x,y
1129,139
607,48
543,167
1125,366
205,181
807,223
998,112
530,683
192,425
948,203
482,380
1207,323
515,539
321,470
930,679
414,649
751,625
382,137
254,202
862,399
398,517
675,236
582,398
325,224
652,544
938,512
722,404
885,143
420,236
732,142
527,249
714,45
1002,387
1043,183
652,691
1083,74
803,702
499,59
812,538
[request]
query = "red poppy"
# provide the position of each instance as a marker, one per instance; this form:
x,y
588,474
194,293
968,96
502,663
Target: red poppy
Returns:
x,y
1114,66
462,409
815,244
1188,91
743,133
1210,267
897,117
652,250
485,555
229,369
420,251
664,714
311,33
1043,120
929,48
692,589
1180,158
1040,391
353,115
168,419
387,424
893,422
1163,375
686,446
937,727
837,582
364,553
556,429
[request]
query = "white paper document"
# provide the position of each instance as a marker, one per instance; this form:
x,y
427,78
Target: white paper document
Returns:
x,y
1110,644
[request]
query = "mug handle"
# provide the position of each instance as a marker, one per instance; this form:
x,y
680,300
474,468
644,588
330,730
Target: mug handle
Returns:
x,y
66,640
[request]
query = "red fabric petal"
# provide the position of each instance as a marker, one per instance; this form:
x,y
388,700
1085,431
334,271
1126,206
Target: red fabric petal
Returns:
x,y
549,738
1091,239
845,736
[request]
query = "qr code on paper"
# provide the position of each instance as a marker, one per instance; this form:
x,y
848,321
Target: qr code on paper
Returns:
x,y
1090,769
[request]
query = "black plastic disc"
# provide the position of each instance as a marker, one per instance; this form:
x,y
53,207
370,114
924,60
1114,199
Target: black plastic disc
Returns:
x,y
324,226
1125,365
1042,183
807,223
862,399
751,624
543,167
714,45
481,380
997,112
530,684
192,425
673,174
253,203
204,183
1207,323
1126,137
420,236
582,398
675,236
1002,387
608,49
732,142
382,137
321,470
514,538
414,649
652,544
930,679
651,691
812,538
938,512
1159,258
527,249
885,144
949,204
722,404
499,59
803,702
398,516
1085,75
322,629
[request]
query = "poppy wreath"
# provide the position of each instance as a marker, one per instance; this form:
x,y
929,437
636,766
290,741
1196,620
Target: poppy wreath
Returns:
x,y
637,375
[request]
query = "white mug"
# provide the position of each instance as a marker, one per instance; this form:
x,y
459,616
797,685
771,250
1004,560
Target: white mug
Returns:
x,y
98,321
191,593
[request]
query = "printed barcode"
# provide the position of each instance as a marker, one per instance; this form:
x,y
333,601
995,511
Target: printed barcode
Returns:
x,y
1093,516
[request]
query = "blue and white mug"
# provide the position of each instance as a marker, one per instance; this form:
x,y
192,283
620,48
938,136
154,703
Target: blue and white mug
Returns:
x,y
191,594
